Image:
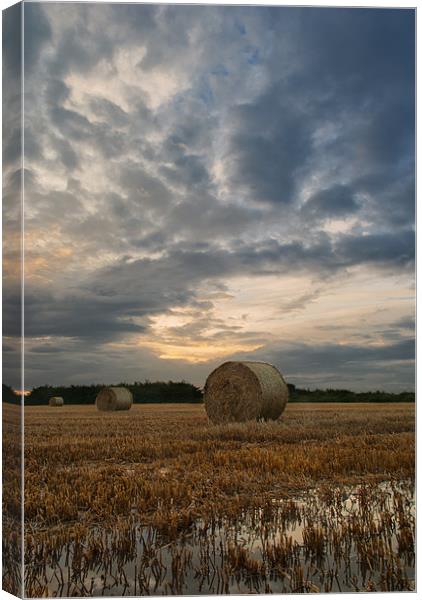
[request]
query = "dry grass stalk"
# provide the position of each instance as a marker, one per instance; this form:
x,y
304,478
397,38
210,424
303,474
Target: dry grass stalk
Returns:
x,y
245,391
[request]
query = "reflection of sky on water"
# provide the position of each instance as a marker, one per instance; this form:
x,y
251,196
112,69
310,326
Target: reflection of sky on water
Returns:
x,y
203,550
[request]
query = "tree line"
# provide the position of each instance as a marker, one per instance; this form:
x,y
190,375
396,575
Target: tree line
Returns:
x,y
344,396
143,393
174,392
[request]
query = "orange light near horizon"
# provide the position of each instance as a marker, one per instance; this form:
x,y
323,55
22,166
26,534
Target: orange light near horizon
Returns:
x,y
198,353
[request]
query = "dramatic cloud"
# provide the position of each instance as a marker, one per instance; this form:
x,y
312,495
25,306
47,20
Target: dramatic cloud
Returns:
x,y
337,201
208,182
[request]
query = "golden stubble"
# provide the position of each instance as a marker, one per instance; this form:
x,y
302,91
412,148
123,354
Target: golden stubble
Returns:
x,y
92,480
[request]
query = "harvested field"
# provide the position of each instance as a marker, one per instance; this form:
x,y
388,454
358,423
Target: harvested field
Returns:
x,y
157,500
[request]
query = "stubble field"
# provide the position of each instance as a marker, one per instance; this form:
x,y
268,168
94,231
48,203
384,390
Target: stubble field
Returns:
x,y
156,500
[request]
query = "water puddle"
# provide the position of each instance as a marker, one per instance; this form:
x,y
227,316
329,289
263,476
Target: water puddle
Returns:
x,y
332,539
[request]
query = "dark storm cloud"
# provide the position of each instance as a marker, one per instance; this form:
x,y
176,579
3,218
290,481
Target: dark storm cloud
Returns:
x,y
74,127
351,66
187,169
134,23
56,92
270,146
354,47
71,124
337,201
12,309
83,316
343,362
109,112
47,349
12,140
82,44
389,133
11,91
383,250
12,43
37,34
391,250
143,188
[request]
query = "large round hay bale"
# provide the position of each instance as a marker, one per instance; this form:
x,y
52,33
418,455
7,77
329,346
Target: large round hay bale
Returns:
x,y
56,401
114,398
245,391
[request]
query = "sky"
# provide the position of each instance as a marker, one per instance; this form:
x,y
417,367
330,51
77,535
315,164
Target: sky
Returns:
x,y
207,183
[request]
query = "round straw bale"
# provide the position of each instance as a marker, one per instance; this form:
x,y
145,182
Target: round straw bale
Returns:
x,y
114,398
56,401
245,391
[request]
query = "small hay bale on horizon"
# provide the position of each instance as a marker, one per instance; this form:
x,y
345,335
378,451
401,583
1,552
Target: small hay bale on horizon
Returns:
x,y
245,391
56,401
114,398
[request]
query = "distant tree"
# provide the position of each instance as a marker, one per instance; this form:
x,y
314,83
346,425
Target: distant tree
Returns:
x,y
8,395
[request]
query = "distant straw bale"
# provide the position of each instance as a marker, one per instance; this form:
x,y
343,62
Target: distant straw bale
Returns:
x,y
114,398
245,391
56,401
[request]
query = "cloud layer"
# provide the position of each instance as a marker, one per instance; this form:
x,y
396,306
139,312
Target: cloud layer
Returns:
x,y
180,160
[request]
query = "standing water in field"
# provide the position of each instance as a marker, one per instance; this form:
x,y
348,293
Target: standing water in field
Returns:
x,y
331,539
